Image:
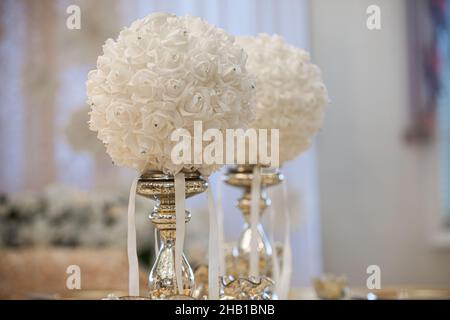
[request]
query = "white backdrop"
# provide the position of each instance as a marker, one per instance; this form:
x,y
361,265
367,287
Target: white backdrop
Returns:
x,y
378,194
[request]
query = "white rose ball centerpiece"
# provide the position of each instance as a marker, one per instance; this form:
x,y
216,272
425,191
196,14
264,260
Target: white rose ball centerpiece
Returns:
x,y
163,73
290,93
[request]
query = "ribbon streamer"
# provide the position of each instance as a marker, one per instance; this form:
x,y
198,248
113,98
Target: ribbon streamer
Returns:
x,y
133,264
221,245
286,269
180,211
213,248
275,260
254,217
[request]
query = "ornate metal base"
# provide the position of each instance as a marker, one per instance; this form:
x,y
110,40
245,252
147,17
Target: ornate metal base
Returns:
x,y
161,188
252,288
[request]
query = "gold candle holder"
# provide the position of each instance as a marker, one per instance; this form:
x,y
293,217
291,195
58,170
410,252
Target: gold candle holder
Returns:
x,y
238,260
161,188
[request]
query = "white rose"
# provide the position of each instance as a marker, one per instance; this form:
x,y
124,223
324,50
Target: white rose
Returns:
x,y
174,88
158,123
144,86
231,74
177,39
104,64
196,105
119,75
120,115
229,100
111,50
203,67
136,54
148,144
156,21
169,61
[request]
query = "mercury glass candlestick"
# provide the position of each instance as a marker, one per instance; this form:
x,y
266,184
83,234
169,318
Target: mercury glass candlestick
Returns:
x,y
238,259
160,187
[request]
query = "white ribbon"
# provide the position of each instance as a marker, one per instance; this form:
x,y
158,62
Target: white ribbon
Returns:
x,y
221,245
133,264
275,260
213,248
254,217
286,268
180,211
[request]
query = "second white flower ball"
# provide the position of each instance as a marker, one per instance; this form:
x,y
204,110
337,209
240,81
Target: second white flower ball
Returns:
x,y
290,93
